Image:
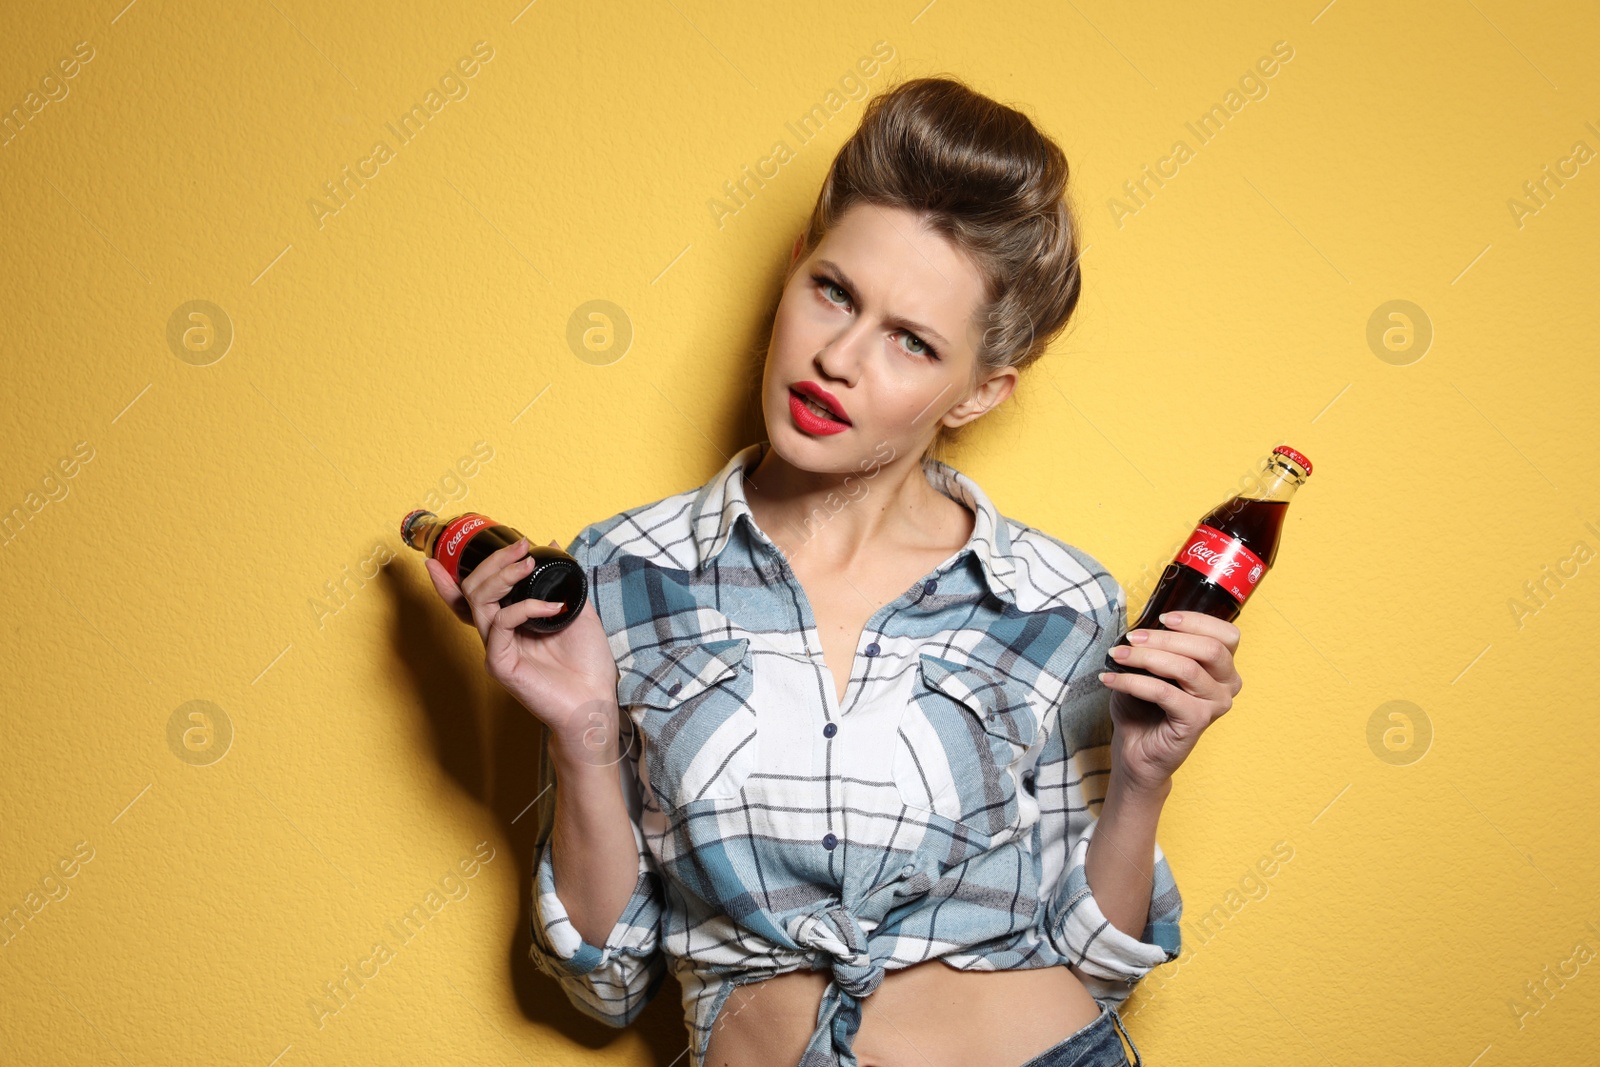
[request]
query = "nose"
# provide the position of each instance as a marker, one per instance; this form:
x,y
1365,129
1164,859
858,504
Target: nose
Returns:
x,y
840,359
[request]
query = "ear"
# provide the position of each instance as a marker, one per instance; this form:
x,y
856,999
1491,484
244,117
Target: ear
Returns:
x,y
985,396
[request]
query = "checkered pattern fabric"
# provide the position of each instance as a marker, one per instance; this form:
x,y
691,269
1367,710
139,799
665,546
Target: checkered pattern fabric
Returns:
x,y
943,809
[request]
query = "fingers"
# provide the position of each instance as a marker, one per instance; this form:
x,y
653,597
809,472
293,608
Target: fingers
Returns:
x,y
1212,654
447,589
498,639
1198,622
1179,705
509,618
499,571
1186,673
501,651
441,581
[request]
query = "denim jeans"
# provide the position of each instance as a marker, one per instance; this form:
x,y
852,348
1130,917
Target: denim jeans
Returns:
x,y
1096,1045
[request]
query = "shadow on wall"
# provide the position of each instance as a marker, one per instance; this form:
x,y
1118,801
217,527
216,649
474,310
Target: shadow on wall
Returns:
x,y
489,745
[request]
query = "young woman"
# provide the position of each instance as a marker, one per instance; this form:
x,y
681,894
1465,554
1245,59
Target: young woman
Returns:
x,y
826,736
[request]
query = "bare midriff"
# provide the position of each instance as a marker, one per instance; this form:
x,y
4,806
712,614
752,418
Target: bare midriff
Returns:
x,y
925,1015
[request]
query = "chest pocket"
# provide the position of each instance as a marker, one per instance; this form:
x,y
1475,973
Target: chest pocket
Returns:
x,y
690,704
962,732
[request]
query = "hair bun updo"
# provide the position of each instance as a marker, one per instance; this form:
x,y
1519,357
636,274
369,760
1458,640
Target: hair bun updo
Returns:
x,y
986,179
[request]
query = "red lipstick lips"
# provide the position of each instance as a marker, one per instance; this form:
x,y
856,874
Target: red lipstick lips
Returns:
x,y
807,419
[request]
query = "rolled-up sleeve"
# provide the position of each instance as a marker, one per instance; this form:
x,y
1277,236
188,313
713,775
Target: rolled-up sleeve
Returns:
x,y
1111,961
611,982
1070,783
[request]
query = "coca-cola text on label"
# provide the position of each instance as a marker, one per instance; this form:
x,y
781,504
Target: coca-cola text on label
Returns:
x,y
1231,549
461,543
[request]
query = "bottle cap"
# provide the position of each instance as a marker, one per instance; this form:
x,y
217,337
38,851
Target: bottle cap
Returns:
x,y
1296,456
405,524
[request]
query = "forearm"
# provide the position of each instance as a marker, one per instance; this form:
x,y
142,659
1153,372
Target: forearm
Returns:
x,y
593,853
1120,865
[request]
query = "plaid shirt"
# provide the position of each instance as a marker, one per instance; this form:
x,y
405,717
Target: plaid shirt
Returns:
x,y
942,809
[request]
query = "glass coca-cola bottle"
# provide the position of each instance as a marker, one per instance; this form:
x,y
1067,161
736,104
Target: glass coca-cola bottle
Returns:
x,y
461,543
1225,558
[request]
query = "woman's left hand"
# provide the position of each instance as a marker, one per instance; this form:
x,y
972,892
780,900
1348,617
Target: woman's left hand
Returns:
x,y
1158,722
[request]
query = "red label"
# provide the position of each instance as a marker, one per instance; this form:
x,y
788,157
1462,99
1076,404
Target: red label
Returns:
x,y
1223,560
447,549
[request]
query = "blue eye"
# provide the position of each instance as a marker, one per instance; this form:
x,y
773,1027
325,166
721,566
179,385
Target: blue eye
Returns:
x,y
927,349
825,283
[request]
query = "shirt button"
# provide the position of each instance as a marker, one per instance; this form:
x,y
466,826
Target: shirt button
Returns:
x,y
872,649
830,729
672,690
829,842
929,586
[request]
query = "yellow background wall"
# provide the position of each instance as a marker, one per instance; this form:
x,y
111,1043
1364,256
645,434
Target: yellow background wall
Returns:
x,y
209,520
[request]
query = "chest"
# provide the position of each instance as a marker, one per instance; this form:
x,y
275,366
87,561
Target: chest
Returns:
x,y
843,601
726,683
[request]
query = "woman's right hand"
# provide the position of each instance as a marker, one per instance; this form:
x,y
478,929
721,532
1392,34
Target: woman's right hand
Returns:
x,y
563,678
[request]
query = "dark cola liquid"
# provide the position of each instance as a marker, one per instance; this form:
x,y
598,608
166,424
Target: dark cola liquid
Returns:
x,y
556,576
1258,523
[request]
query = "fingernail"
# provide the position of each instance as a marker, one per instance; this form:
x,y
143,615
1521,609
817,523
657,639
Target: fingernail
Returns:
x,y
1120,652
1171,618
1138,636
1104,677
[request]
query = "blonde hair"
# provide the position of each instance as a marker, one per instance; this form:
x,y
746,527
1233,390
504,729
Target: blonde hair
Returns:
x,y
982,176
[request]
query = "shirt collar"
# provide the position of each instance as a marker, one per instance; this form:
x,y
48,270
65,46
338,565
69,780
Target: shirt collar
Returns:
x,y
721,503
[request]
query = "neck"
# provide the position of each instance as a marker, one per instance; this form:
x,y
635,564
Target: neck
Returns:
x,y
829,518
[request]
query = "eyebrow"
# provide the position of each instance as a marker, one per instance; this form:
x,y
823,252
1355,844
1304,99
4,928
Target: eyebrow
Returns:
x,y
898,320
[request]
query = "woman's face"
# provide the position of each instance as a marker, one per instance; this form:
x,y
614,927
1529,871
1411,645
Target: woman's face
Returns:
x,y
881,318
